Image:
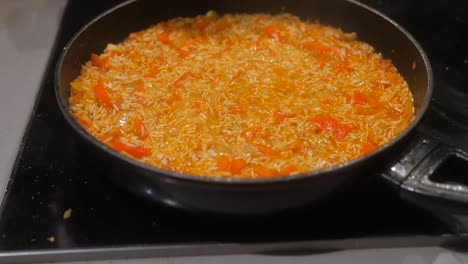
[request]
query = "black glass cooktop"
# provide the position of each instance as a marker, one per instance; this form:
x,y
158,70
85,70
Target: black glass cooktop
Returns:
x,y
48,180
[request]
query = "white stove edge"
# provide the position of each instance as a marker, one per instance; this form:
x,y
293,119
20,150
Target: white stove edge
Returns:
x,y
27,31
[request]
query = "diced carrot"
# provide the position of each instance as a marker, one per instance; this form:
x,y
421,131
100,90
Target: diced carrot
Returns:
x,y
273,32
359,98
98,61
262,171
280,116
164,38
140,129
237,165
100,91
174,98
287,170
367,148
137,152
328,123
266,150
223,162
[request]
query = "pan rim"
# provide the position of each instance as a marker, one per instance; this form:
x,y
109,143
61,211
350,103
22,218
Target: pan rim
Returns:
x,y
233,181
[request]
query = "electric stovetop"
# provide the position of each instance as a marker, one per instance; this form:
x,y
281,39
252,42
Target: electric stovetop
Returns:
x,y
56,208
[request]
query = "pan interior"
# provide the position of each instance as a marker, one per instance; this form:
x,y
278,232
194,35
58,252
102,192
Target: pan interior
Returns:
x,y
387,38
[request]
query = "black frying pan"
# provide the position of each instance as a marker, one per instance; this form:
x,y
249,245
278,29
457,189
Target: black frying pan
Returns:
x,y
242,196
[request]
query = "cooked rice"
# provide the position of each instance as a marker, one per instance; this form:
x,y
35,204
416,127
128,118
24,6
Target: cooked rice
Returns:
x,y
241,96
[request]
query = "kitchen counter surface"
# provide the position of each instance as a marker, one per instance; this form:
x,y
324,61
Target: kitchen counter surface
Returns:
x,y
27,30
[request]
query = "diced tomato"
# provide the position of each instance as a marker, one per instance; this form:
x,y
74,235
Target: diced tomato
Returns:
x,y
340,130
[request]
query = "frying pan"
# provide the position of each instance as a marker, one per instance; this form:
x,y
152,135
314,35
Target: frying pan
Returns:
x,y
240,195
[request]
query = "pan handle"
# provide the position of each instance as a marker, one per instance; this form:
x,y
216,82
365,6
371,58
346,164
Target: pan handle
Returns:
x,y
427,168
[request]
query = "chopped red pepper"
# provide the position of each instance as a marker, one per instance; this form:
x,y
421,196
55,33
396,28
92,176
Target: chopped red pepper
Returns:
x,y
100,91
164,38
137,152
273,32
152,72
280,116
100,62
319,47
140,129
340,130
287,170
83,123
237,165
367,148
178,81
223,162
237,110
359,98
174,98
262,171
266,150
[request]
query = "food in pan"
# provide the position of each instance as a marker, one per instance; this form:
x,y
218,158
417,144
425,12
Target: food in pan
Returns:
x,y
241,96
